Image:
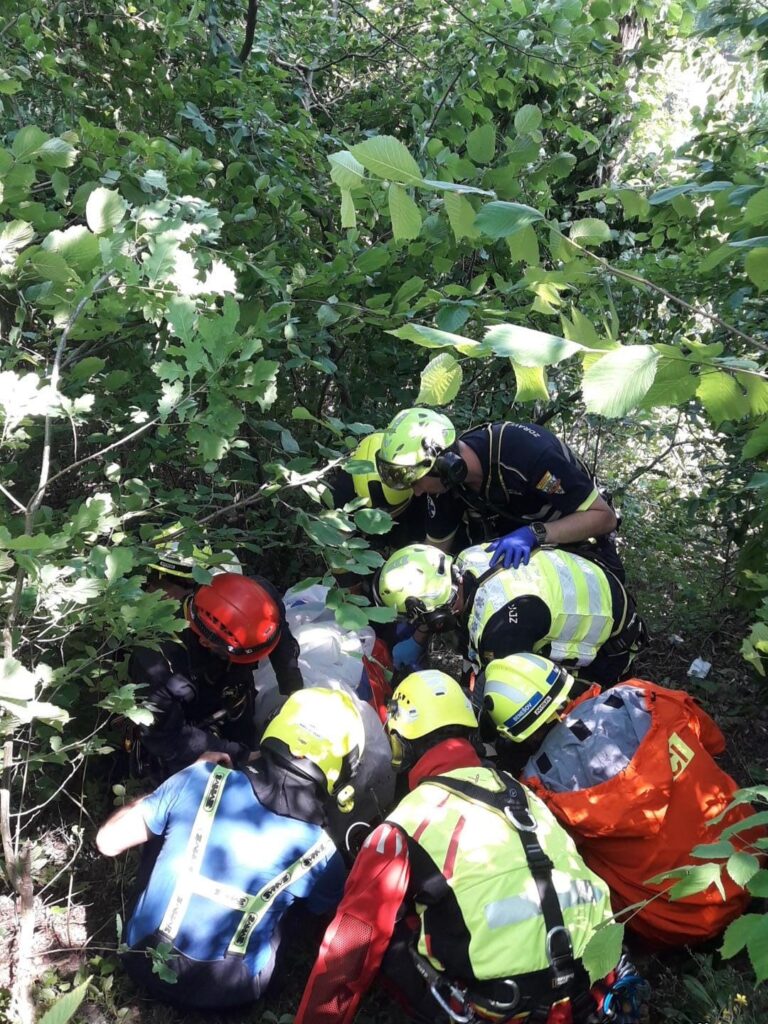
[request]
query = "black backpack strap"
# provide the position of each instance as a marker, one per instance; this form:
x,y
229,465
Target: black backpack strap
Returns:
x,y
512,802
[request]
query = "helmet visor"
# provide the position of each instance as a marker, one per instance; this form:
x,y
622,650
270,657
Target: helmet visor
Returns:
x,y
398,477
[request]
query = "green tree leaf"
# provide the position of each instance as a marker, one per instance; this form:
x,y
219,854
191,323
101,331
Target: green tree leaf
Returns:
x,y
757,947
481,143
707,851
524,246
346,171
758,884
673,385
635,205
756,266
454,186
461,215
742,866
696,879
350,617
757,392
620,380
498,220
737,933
104,210
721,396
56,153
756,210
590,231
531,383
77,245
388,158
528,347
373,520
14,236
527,119
440,381
27,142
348,212
66,1006
405,214
162,263
756,443
182,316
603,951
119,562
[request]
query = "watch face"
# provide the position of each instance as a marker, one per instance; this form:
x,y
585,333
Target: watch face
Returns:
x,y
540,531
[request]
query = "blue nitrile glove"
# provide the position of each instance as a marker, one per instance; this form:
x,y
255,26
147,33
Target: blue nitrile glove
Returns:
x,y
514,549
407,654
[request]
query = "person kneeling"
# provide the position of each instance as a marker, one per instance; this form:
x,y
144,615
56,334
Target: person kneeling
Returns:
x,y
470,897
630,773
229,852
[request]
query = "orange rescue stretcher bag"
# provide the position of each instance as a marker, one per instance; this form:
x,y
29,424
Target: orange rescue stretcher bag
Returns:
x,y
647,818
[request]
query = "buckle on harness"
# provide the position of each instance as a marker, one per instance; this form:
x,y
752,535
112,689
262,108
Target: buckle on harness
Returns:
x,y
521,826
560,956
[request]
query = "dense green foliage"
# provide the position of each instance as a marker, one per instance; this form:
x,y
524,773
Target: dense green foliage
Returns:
x,y
222,259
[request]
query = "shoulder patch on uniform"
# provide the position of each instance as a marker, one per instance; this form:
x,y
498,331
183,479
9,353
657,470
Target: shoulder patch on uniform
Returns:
x,y
550,484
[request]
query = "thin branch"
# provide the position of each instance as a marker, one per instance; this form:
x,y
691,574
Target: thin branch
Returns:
x,y
441,104
263,492
518,49
45,463
9,855
13,500
22,1006
384,35
643,282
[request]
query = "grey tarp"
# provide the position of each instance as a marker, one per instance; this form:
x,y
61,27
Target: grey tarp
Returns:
x,y
593,743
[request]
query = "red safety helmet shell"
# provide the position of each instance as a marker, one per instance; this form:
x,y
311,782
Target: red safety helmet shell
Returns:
x,y
237,617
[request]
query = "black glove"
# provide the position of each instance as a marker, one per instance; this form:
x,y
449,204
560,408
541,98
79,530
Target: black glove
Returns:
x,y
181,688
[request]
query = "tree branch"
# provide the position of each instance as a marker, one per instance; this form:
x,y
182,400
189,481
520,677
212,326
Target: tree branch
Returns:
x,y
384,35
45,467
643,282
441,104
250,28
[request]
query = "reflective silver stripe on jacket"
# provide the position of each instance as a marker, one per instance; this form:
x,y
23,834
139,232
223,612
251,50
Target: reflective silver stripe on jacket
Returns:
x,y
193,858
258,905
191,883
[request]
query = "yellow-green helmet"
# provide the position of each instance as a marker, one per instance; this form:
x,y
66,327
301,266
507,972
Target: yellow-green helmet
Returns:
x,y
175,556
411,444
421,704
415,580
367,484
318,734
522,692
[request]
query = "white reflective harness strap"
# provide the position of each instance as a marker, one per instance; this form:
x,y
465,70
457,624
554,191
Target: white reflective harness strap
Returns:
x,y
193,859
257,906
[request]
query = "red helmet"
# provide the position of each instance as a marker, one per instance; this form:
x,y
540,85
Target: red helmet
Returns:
x,y
237,617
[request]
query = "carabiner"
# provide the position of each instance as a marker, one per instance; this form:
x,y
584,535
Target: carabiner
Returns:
x,y
459,1018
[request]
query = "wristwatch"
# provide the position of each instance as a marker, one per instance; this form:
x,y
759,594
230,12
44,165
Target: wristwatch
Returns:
x,y
539,532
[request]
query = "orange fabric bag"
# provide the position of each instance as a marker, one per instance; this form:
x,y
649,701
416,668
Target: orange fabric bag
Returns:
x,y
647,819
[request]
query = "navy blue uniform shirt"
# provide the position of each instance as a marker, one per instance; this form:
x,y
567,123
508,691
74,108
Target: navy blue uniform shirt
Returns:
x,y
528,475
